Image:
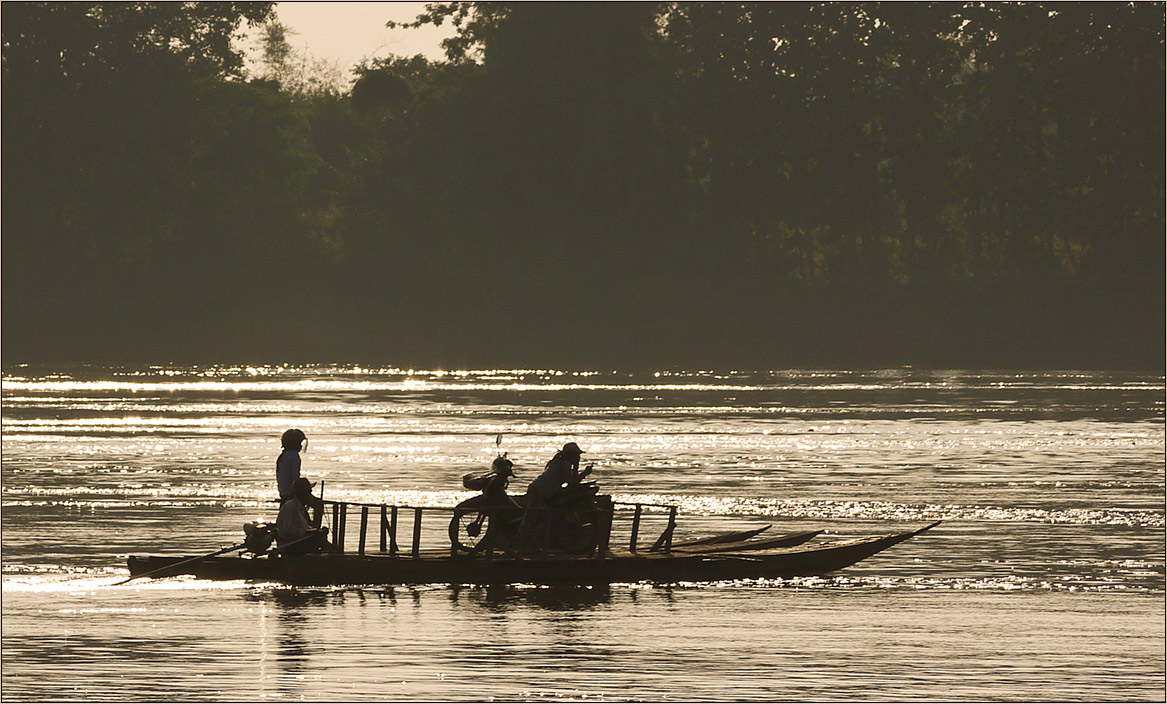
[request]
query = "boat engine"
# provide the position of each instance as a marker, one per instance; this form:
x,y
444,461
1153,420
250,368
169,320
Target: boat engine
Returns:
x,y
259,536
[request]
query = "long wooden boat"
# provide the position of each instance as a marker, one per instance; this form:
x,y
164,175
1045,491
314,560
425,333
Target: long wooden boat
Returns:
x,y
726,557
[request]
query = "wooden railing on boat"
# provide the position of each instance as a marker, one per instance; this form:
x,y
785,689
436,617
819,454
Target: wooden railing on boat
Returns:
x,y
389,514
665,541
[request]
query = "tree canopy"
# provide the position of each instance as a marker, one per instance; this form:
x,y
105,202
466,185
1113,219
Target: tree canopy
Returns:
x,y
717,184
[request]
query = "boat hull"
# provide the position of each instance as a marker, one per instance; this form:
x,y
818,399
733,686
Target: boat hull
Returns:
x,y
616,567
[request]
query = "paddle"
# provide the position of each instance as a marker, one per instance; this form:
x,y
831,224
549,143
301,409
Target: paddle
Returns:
x,y
151,573
233,548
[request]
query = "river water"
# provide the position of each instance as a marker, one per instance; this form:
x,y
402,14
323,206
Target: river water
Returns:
x,y
1045,582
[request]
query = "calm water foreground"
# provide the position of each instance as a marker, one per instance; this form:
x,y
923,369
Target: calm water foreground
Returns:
x,y
1044,583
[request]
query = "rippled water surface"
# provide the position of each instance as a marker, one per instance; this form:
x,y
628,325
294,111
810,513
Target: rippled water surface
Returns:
x,y
1045,581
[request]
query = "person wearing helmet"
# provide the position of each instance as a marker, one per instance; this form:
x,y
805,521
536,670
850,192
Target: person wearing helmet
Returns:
x,y
495,492
494,504
288,471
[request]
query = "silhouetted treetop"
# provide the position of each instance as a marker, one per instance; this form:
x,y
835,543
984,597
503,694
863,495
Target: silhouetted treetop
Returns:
x,y
378,90
69,39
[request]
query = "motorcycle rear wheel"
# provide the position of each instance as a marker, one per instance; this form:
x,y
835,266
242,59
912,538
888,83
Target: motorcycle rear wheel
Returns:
x,y
461,527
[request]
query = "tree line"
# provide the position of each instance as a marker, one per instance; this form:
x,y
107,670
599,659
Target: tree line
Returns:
x,y
624,184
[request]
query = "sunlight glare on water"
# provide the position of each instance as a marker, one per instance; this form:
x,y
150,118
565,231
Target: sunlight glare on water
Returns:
x,y
1045,581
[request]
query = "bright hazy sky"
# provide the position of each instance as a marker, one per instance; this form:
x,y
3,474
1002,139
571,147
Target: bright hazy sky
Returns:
x,y
350,31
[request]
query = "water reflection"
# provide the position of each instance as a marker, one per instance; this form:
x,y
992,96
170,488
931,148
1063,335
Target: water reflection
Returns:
x,y
288,636
1050,485
503,597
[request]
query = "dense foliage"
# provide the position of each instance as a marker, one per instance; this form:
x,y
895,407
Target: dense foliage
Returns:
x,y
631,184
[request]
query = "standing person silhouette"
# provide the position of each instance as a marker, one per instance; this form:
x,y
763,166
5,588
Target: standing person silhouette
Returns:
x,y
288,471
